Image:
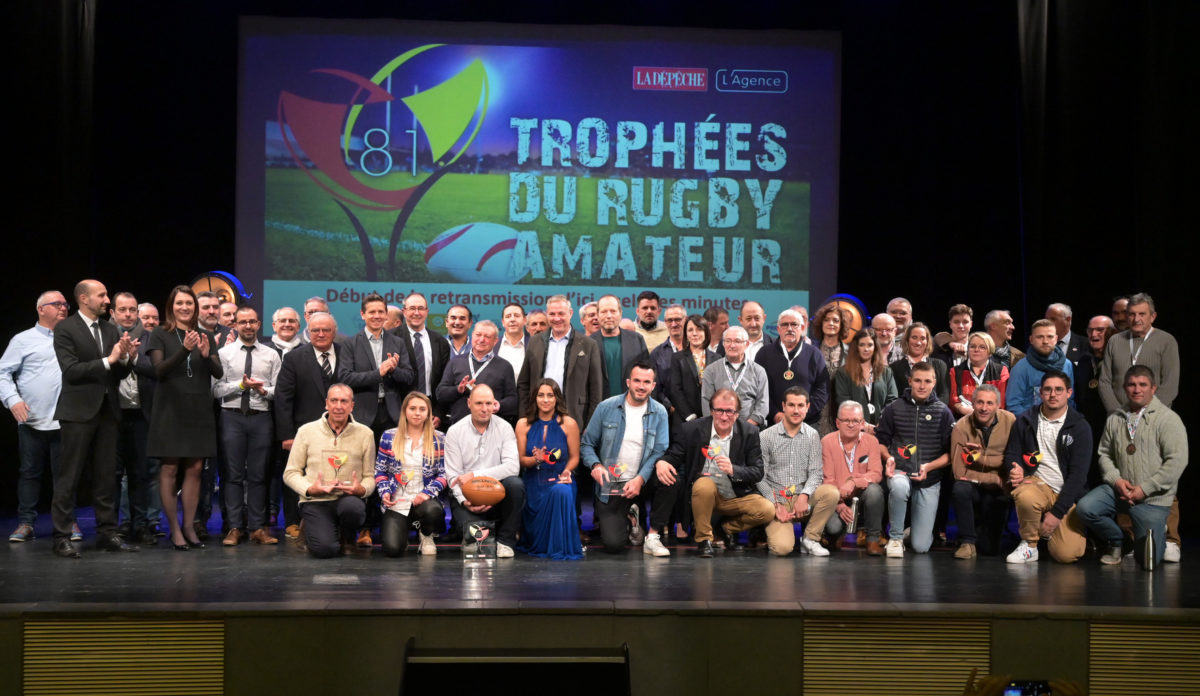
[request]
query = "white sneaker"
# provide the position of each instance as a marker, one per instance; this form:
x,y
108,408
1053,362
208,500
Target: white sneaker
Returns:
x,y
894,548
654,546
504,551
636,534
427,547
814,548
1024,553
1112,556
1172,553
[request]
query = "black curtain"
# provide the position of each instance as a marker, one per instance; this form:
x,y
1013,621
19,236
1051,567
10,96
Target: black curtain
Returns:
x,y
998,154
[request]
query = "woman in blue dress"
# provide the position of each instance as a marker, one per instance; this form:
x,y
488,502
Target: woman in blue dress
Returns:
x,y
548,442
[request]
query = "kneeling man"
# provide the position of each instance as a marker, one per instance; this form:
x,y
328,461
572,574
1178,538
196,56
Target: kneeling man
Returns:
x,y
485,445
720,459
332,469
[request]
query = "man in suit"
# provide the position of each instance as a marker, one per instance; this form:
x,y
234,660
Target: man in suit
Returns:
x,y
94,358
566,357
462,374
719,460
1074,346
619,347
428,350
387,374
305,377
674,317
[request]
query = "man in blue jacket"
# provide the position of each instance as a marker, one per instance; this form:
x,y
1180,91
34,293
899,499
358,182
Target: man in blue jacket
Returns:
x,y
622,461
1048,455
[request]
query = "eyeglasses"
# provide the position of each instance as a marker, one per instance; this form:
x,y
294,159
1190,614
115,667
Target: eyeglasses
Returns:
x,y
60,305
851,421
789,324
247,322
723,412
673,320
1054,390
416,309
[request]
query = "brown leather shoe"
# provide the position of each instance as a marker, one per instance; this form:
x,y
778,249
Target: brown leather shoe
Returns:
x,y
262,536
874,548
364,539
965,552
292,532
232,537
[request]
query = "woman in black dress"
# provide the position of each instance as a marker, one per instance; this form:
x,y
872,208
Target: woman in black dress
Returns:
x,y
183,429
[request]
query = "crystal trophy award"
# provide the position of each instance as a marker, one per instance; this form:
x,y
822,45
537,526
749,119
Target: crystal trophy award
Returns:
x,y
338,460
479,541
619,474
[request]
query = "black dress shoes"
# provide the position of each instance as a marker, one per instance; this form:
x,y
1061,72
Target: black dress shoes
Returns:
x,y
146,537
65,549
114,542
704,549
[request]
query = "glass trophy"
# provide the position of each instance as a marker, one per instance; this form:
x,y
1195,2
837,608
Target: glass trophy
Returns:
x,y
479,541
338,460
619,474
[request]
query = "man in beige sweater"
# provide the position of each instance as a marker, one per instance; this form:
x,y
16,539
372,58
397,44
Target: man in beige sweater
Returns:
x,y
332,468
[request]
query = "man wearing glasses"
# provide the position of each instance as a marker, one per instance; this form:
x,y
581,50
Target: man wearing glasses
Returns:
x,y
1047,457
748,380
428,350
244,394
720,458
790,362
674,317
30,381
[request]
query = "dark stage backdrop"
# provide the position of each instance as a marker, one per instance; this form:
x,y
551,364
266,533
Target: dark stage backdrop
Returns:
x,y
1000,154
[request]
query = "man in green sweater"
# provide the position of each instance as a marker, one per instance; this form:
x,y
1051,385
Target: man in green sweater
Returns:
x,y
1143,452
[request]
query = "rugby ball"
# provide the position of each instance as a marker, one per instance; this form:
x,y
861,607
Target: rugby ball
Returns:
x,y
477,252
483,490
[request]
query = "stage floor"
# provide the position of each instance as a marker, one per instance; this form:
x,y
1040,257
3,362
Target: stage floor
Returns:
x,y
282,578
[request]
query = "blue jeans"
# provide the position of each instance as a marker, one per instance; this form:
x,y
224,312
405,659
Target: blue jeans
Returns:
x,y
36,448
1098,509
924,510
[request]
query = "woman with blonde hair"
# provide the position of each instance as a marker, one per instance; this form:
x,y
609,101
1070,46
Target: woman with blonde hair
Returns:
x,y
410,473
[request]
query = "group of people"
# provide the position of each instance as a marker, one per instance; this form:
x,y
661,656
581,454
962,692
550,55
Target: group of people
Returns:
x,y
685,426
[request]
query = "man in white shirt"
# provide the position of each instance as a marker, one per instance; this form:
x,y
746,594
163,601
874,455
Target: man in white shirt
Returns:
x,y
244,394
484,445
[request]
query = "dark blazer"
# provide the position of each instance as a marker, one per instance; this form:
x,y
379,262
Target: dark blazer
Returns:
x,y
85,382
440,357
660,357
687,456
497,374
583,386
147,378
301,387
396,384
1077,349
683,385
633,348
